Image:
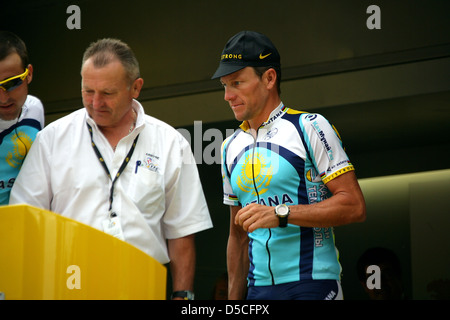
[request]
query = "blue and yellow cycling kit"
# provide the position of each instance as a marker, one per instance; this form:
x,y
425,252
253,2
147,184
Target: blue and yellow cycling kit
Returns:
x,y
290,161
16,137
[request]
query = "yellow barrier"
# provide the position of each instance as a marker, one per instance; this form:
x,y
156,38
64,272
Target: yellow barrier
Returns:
x,y
44,255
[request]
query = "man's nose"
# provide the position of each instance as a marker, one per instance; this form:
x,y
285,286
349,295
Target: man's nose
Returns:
x,y
229,95
97,100
4,96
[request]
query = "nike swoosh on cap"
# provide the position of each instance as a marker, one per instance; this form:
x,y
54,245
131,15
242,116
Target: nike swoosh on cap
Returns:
x,y
263,57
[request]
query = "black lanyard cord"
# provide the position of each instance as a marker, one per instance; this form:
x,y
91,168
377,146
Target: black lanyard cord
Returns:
x,y
102,162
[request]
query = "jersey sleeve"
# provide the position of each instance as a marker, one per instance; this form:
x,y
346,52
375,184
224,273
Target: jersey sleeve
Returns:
x,y
324,147
229,197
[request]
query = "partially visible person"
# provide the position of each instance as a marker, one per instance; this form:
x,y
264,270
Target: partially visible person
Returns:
x,y
390,272
21,114
111,166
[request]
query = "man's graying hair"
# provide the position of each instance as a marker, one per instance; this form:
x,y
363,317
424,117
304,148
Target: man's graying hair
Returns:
x,y
106,50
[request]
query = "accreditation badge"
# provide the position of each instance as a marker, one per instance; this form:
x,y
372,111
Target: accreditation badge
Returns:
x,y
112,227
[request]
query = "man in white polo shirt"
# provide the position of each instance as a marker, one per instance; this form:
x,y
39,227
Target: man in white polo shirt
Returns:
x,y
111,166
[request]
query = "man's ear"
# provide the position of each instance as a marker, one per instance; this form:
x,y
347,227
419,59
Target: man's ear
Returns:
x,y
136,87
270,76
30,73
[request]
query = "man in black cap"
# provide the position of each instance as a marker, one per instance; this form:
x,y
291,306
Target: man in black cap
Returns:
x,y
287,180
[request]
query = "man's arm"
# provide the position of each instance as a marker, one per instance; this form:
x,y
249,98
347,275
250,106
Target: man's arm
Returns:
x,y
346,206
237,258
182,263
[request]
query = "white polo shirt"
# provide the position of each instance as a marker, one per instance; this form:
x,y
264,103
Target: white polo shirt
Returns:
x,y
157,197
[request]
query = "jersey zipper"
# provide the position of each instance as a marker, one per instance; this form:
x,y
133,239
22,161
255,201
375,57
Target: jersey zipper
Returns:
x,y
257,196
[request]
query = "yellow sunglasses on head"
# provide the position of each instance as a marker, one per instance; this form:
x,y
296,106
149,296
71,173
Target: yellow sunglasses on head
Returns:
x,y
13,82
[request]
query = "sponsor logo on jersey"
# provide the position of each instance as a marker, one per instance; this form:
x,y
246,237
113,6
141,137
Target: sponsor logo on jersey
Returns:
x,y
270,134
324,141
21,144
256,173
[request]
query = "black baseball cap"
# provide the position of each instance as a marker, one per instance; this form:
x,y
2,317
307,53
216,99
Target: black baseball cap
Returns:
x,y
247,49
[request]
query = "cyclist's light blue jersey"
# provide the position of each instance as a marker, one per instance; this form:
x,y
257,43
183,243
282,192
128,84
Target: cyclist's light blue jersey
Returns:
x,y
292,158
16,137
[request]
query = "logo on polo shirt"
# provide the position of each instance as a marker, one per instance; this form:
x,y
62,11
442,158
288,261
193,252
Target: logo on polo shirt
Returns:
x,y
150,162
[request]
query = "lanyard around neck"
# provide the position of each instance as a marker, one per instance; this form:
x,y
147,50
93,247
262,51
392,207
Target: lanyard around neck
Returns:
x,y
102,162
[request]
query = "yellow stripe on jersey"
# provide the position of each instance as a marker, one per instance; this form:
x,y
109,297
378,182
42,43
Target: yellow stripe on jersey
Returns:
x,y
292,111
337,174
